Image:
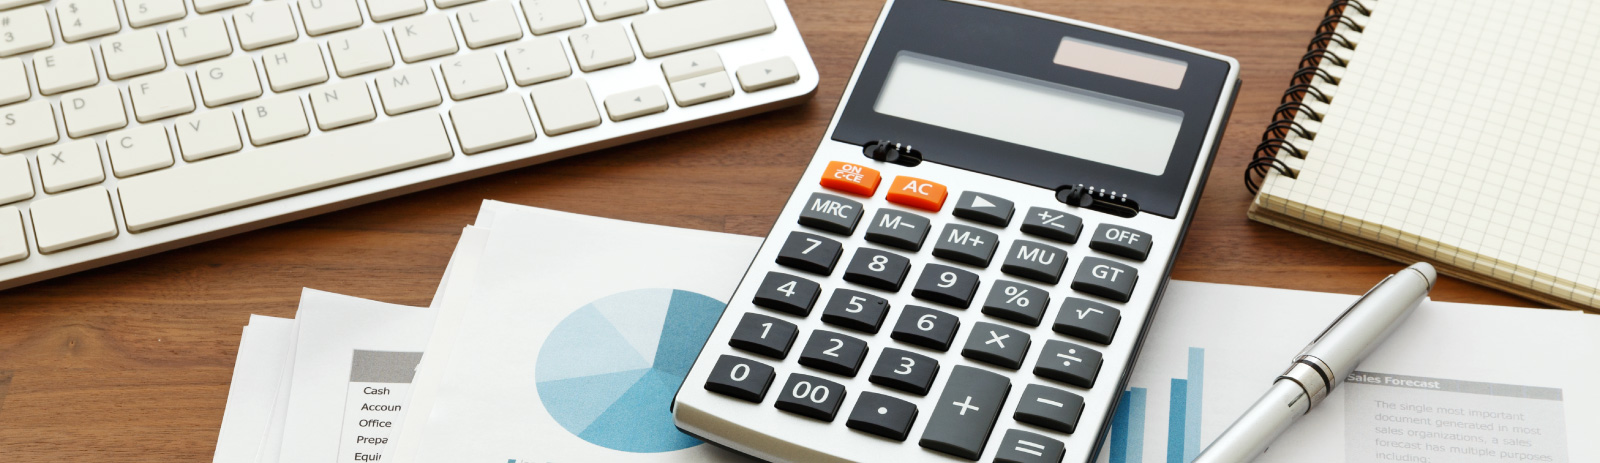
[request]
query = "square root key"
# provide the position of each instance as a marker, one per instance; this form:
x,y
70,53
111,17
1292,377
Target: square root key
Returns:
x,y
1087,319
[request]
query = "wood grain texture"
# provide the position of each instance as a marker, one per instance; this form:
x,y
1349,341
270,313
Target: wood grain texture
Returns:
x,y
131,362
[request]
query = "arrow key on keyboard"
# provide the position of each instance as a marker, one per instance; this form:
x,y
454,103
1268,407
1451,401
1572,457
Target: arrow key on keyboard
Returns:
x,y
635,103
767,74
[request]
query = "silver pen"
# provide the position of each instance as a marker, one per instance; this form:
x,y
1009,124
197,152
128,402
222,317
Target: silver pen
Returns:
x,y
1323,365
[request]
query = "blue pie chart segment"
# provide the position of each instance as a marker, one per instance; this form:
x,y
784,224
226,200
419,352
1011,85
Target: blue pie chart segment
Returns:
x,y
608,372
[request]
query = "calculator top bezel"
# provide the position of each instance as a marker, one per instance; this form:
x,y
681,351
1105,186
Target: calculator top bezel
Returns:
x,y
970,33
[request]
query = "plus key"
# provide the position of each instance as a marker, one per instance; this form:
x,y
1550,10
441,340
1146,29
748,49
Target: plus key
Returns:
x,y
966,412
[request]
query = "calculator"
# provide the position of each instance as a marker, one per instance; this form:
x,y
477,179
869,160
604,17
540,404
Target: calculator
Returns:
x,y
970,262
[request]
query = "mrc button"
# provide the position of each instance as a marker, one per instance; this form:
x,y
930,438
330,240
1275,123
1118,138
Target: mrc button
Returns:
x,y
1121,241
831,213
1104,278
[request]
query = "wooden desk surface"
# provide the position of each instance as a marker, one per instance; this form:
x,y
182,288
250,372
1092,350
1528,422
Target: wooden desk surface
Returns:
x,y
131,362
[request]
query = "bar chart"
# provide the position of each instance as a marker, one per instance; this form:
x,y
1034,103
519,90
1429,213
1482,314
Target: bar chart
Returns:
x,y
1127,441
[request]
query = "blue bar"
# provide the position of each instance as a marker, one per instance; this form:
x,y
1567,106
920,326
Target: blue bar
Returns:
x,y
1176,421
1136,427
1119,429
1127,428
1191,426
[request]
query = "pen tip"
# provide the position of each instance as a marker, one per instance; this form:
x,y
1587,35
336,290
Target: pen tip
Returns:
x,y
1426,270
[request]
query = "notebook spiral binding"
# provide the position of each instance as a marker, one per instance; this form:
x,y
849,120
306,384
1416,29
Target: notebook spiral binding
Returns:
x,y
1328,48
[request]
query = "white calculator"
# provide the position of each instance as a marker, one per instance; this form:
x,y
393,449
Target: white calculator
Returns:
x,y
968,267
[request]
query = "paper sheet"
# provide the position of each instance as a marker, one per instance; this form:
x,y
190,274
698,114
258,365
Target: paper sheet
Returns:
x,y
541,276
266,342
1448,370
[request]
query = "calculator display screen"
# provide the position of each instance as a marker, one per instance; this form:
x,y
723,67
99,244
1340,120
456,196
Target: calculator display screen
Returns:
x,y
1039,114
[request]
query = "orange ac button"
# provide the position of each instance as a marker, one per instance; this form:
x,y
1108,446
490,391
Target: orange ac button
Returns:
x,y
850,178
918,193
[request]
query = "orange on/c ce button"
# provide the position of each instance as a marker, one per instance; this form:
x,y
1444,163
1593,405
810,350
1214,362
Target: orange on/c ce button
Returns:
x,y
850,178
918,193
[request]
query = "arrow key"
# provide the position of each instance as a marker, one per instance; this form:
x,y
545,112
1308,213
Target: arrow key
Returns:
x,y
768,74
635,103
983,207
696,90
691,65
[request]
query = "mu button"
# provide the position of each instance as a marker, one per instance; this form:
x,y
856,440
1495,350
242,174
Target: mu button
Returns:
x,y
918,193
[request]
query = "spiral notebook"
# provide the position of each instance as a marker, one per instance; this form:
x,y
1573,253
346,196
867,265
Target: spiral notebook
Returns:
x,y
1464,133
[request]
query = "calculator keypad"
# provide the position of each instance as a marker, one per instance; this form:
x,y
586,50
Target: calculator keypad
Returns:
x,y
992,348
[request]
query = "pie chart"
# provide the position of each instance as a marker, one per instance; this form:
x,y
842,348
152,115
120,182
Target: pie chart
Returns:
x,y
609,370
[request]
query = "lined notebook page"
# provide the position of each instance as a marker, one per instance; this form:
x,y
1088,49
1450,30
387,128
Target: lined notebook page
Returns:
x,y
1466,131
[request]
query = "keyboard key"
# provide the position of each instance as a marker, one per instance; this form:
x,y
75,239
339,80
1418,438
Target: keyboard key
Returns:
x,y
966,412
473,74
985,208
882,416
905,371
810,252
835,353
764,335
1035,261
275,119
409,89
228,80
1009,300
602,46
1068,363
450,3
160,96
767,74
384,10
917,193
855,310
207,134
671,3
1121,241
787,293
877,269
65,69
492,122
1086,319
132,53
13,245
138,150
605,10
13,82
701,24
72,219
946,285
565,106
831,213
342,104
1055,225
27,125
63,167
900,229
9,4
295,65
489,23
207,6
922,326
230,182
740,378
538,60
87,19
93,110
425,37
16,183
546,16
810,396
997,345
325,16
1049,408
27,29
966,244
634,103
200,39
689,65
850,178
359,52
1106,279
264,25
1026,447
143,13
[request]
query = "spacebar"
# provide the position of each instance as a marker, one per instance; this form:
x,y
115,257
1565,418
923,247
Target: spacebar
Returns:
x,y
279,170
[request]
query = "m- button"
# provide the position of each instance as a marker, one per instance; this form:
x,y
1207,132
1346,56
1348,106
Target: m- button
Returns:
x,y
1121,241
918,193
850,178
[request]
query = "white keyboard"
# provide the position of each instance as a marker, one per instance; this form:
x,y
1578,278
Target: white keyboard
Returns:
x,y
129,127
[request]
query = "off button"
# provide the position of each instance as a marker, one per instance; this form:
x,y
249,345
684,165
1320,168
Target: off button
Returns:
x,y
850,178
